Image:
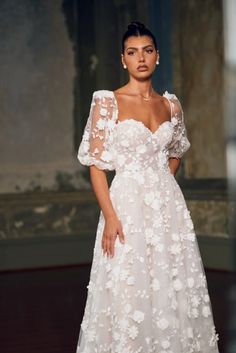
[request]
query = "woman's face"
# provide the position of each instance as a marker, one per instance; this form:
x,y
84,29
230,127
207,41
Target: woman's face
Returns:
x,y
140,56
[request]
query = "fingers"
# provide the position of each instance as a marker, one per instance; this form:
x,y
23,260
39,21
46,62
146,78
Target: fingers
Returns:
x,y
121,236
111,245
108,242
109,238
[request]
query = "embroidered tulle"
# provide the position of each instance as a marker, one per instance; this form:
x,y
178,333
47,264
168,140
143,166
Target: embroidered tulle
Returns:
x,y
152,296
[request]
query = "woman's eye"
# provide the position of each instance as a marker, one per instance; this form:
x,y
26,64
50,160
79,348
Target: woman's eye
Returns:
x,y
149,51
130,52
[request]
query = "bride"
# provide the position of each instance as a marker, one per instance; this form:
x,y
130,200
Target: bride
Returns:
x,y
147,291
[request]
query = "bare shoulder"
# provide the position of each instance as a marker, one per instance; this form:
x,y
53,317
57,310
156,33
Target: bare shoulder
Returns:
x,y
124,96
121,90
161,102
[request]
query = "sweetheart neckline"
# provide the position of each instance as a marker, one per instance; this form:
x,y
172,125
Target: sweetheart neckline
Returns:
x,y
145,127
139,121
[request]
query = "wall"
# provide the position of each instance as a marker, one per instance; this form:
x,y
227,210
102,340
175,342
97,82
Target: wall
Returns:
x,y
53,55
37,71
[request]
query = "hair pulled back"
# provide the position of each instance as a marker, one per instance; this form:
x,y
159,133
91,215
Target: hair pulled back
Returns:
x,y
137,29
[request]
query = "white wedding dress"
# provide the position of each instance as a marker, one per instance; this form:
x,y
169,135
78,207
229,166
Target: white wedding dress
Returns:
x,y
152,296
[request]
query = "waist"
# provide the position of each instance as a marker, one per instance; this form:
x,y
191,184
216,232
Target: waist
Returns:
x,y
141,170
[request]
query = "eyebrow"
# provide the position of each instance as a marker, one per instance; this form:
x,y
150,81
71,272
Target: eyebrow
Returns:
x,y
146,46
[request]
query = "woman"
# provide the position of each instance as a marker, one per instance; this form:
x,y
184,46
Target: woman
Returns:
x,y
147,291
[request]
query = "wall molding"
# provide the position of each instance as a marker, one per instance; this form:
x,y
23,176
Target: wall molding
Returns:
x,y
15,254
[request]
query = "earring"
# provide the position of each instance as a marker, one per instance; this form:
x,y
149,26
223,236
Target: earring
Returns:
x,y
124,66
157,62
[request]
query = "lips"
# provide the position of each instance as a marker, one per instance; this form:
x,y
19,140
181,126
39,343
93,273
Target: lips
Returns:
x,y
142,68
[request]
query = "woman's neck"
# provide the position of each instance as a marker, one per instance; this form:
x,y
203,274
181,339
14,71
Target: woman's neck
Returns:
x,y
140,87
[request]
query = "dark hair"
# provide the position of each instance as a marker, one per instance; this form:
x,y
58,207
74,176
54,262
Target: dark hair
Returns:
x,y
137,29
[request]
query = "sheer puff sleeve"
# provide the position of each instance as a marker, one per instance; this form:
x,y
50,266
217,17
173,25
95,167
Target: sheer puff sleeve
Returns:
x,y
180,143
96,145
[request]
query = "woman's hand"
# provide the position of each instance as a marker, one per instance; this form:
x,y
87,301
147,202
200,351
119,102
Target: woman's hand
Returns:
x,y
112,228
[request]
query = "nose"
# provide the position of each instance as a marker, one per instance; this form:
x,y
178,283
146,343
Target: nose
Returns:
x,y
141,56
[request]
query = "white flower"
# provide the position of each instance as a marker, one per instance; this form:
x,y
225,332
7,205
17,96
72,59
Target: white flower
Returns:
x,y
175,249
84,325
155,285
121,159
133,332
85,146
206,298
186,214
156,204
123,274
189,224
194,312
141,148
108,267
174,272
190,236
206,311
202,280
124,143
91,334
129,220
174,120
138,316
197,346
101,123
149,198
91,286
165,344
86,135
177,284
170,96
162,324
214,337
190,282
124,324
110,124
116,336
195,300
103,111
149,232
127,248
130,280
159,247
106,156
128,308
125,350
175,236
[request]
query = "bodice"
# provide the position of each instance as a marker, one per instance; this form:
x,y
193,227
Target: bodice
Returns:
x,y
128,145
135,148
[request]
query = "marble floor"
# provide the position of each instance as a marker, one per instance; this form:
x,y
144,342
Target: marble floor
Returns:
x,y
41,310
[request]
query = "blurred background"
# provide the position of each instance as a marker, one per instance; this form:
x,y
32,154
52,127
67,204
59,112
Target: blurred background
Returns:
x,y
54,54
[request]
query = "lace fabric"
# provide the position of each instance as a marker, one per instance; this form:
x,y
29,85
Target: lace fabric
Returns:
x,y
152,296
96,144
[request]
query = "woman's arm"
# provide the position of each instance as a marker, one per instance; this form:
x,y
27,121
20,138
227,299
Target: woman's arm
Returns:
x,y
112,223
174,164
